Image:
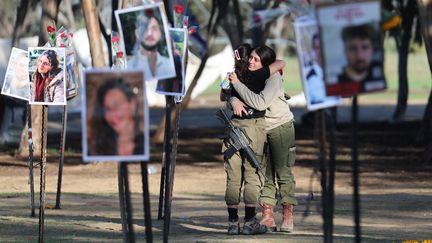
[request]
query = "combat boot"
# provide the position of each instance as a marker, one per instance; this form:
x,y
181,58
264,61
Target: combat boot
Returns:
x,y
253,227
268,217
233,227
288,220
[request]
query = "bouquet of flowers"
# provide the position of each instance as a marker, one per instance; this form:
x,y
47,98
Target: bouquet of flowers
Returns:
x,y
59,38
118,57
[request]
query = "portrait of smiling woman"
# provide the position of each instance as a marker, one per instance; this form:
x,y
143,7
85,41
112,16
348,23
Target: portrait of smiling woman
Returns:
x,y
47,80
115,122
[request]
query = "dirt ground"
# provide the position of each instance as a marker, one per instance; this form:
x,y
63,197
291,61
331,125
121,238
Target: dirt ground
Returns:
x,y
396,192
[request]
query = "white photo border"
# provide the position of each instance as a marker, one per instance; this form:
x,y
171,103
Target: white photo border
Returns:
x,y
160,8
329,101
15,51
183,64
146,114
61,51
348,14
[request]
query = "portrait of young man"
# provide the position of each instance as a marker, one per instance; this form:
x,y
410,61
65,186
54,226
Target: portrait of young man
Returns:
x,y
310,60
176,85
145,35
360,70
351,47
16,82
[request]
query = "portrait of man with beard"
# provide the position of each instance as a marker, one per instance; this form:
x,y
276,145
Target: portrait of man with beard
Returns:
x,y
360,70
145,34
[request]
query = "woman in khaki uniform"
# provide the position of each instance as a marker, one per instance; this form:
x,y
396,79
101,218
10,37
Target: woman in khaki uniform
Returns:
x,y
281,139
240,172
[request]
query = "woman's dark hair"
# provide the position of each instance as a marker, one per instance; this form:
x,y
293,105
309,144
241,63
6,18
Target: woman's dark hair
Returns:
x,y
104,137
37,77
54,61
241,60
266,54
53,58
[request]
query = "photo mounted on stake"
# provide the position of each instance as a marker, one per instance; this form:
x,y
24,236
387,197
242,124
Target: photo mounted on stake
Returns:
x,y
310,61
71,76
144,31
352,49
47,76
115,116
16,82
176,85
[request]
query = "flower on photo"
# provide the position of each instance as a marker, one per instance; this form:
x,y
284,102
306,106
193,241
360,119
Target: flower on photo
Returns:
x,y
51,29
179,8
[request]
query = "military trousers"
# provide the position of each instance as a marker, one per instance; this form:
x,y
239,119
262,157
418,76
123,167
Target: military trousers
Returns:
x,y
241,174
279,166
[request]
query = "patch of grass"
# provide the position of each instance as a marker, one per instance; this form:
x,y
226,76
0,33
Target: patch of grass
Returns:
x,y
53,151
12,194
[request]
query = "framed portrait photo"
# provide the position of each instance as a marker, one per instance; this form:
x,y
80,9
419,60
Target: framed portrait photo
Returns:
x,y
71,76
115,116
310,61
47,75
144,31
352,51
16,82
176,86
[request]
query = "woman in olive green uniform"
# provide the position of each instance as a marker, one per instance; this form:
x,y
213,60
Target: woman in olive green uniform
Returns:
x,y
281,139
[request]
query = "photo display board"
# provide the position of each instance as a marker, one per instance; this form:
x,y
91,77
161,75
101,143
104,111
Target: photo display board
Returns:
x,y
351,47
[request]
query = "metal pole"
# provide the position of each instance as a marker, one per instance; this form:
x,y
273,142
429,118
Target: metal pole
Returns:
x,y
62,148
322,159
356,196
169,189
129,235
30,162
122,203
128,201
332,168
146,202
165,155
43,173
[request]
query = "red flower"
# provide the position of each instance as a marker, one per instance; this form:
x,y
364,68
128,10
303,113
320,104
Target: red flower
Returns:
x,y
62,45
71,35
192,30
149,13
120,54
256,18
115,39
62,35
51,29
179,8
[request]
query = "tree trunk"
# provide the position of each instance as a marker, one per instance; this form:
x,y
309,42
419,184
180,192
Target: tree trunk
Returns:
x,y
93,32
408,14
50,10
425,133
21,13
69,15
49,17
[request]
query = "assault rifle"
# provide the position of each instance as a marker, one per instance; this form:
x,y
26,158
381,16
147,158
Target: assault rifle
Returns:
x,y
239,141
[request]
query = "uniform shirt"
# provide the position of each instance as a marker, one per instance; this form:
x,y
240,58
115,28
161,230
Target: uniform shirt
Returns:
x,y
255,83
272,98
